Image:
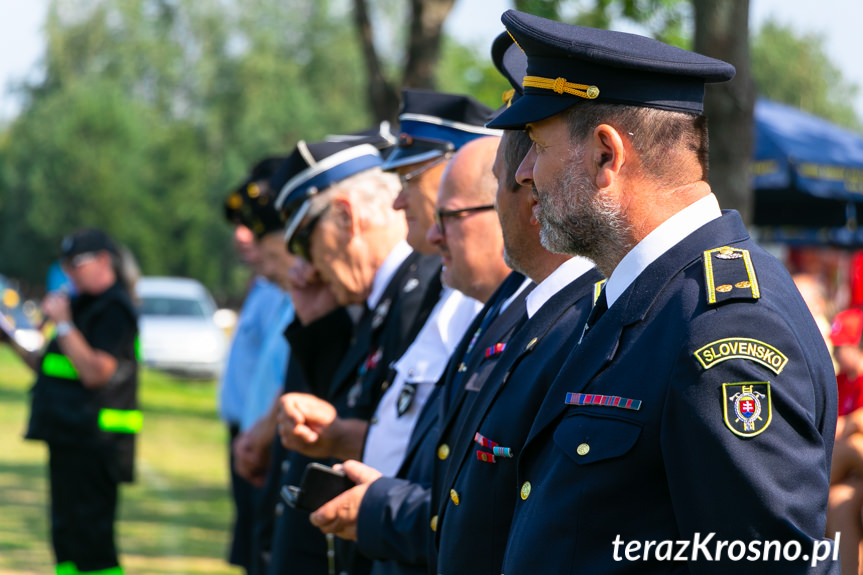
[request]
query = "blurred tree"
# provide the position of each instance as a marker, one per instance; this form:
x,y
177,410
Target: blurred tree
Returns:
x,y
794,69
151,110
728,105
423,50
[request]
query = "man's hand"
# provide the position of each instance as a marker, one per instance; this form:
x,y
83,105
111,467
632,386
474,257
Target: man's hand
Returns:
x,y
307,424
312,298
339,515
55,307
252,457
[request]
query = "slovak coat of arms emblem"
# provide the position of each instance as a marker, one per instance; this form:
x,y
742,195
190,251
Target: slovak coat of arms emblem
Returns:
x,y
746,407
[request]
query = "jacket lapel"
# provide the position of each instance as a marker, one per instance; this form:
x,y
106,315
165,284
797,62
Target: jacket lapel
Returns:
x,y
525,341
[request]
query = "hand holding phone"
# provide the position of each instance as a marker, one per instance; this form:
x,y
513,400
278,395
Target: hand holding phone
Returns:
x,y
320,484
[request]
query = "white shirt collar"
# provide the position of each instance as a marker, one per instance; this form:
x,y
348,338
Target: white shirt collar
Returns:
x,y
526,282
385,273
565,274
668,234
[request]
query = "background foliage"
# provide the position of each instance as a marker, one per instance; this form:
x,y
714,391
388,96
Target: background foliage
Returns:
x,y
150,110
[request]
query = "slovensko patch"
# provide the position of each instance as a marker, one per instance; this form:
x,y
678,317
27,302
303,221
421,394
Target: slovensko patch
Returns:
x,y
746,407
741,348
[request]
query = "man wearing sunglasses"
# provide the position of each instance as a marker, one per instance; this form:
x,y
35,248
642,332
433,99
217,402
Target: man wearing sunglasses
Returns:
x,y
339,215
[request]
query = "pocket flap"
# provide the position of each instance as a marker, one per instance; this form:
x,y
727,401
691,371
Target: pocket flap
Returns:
x,y
589,438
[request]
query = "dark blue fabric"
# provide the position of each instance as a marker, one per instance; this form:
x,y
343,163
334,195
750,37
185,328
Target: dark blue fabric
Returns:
x,y
502,412
626,69
673,468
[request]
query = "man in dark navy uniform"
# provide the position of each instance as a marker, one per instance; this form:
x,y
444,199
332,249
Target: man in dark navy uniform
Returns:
x,y
485,434
339,218
691,429
472,245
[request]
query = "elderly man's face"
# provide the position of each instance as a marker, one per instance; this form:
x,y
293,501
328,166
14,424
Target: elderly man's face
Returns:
x,y
417,199
576,217
339,259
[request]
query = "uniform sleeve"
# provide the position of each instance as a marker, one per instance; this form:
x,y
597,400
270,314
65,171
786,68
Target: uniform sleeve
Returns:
x,y
319,347
114,331
746,447
394,521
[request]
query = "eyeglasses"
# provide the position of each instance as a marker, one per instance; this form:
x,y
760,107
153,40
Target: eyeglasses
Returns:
x,y
439,215
300,242
404,179
79,260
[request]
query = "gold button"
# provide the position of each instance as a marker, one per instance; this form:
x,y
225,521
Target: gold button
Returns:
x,y
453,494
530,344
443,451
582,449
434,523
525,490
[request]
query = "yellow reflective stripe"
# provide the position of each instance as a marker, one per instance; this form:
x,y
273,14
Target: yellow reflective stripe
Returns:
x,y
58,365
120,421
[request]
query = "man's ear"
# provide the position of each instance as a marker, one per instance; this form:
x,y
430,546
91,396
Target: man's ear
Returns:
x,y
345,216
609,155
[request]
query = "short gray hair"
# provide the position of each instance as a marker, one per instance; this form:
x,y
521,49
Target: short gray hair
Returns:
x,y
371,192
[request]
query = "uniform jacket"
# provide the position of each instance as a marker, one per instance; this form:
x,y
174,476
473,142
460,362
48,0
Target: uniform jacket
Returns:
x,y
476,496
395,518
353,387
697,418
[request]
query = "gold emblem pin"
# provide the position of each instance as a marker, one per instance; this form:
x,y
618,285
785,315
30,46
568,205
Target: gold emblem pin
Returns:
x,y
743,285
724,288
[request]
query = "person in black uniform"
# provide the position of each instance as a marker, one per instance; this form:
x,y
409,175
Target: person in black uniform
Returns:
x,y
84,403
691,429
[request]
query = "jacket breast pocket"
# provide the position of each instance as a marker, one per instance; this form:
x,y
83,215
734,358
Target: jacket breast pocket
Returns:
x,y
588,439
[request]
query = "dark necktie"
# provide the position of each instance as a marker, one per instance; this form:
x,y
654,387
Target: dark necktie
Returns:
x,y
600,306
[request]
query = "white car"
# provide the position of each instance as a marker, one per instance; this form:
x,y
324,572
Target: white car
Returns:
x,y
178,331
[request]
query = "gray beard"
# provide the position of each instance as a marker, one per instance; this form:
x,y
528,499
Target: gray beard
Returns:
x,y
579,219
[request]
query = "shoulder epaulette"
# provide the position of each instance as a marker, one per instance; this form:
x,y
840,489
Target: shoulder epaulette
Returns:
x,y
729,275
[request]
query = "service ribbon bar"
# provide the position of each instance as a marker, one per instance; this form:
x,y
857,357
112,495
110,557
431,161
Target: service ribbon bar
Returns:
x,y
494,350
502,451
606,400
485,456
484,441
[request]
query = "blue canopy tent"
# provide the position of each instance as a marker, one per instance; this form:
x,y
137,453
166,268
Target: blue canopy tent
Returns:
x,y
807,177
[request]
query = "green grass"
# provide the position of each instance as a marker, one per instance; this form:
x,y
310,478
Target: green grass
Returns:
x,y
173,520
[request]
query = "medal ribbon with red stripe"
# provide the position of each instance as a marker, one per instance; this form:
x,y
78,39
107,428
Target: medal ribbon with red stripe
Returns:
x,y
606,400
